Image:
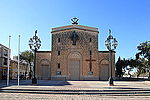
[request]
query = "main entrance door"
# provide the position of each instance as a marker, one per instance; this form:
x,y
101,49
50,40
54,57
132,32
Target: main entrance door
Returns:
x,y
74,65
74,68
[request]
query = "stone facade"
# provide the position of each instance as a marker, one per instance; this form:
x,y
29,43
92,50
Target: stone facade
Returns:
x,y
74,56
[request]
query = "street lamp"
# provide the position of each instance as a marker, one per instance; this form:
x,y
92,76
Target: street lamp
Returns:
x,y
34,44
111,44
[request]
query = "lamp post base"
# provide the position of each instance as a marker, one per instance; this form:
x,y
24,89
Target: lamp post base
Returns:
x,y
34,80
111,81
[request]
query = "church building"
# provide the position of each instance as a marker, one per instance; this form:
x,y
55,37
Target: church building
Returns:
x,y
74,55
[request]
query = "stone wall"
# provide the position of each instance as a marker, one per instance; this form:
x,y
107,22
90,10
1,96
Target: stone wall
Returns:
x,y
43,58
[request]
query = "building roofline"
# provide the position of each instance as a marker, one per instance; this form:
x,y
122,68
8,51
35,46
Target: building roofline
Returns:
x,y
43,51
69,27
105,51
4,46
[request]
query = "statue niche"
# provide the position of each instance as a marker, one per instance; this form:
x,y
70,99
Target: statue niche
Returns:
x,y
74,37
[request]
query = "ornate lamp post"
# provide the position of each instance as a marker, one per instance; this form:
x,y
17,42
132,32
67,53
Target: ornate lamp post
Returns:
x,y
34,44
111,44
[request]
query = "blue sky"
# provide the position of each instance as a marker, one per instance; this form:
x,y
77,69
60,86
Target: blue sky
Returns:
x,y
129,21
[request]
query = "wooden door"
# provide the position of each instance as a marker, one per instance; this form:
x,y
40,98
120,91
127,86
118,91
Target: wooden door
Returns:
x,y
74,69
104,72
45,72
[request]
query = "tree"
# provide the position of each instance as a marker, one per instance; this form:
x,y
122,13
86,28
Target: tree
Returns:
x,y
125,64
118,68
129,66
144,52
121,66
27,56
140,66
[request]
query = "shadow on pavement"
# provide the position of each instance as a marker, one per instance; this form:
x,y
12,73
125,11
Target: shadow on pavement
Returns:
x,y
52,83
125,88
29,82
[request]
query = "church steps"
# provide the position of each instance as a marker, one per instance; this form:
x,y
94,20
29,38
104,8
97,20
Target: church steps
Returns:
x,y
120,92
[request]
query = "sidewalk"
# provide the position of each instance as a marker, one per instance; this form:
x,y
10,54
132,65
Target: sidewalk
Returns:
x,y
78,85
75,89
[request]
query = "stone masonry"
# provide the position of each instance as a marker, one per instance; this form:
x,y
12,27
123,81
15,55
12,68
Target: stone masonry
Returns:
x,y
74,56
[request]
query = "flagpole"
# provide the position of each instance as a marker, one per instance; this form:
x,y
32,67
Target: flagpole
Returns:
x,y
8,63
18,58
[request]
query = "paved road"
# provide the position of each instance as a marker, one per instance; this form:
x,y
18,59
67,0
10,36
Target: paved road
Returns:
x,y
76,90
20,96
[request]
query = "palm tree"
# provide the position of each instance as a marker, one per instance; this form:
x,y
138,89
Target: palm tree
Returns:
x,y
27,56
